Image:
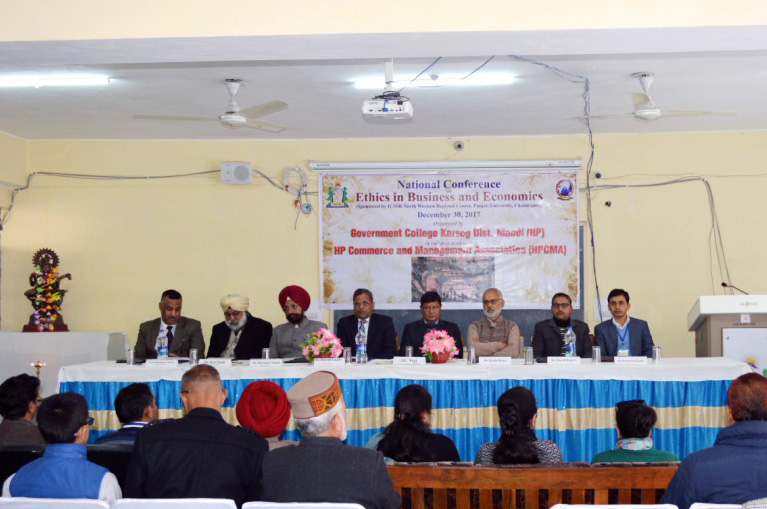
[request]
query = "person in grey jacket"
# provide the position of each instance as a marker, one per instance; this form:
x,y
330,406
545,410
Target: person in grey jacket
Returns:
x,y
320,467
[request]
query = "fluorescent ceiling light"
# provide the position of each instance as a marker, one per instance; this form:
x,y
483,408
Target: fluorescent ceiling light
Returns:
x,y
438,81
62,80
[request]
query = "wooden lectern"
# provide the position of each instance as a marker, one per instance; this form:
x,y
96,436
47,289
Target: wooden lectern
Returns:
x,y
712,313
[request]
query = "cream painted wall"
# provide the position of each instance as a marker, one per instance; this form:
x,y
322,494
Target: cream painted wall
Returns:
x,y
112,19
125,242
13,164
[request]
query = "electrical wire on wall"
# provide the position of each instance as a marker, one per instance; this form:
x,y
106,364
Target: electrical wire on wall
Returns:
x,y
586,96
285,188
715,234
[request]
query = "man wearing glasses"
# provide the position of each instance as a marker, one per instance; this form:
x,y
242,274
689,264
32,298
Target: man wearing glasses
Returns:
x,y
63,471
431,312
241,335
494,335
364,326
549,335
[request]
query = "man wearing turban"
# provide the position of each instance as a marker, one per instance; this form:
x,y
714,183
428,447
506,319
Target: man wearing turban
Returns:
x,y
287,338
241,335
263,407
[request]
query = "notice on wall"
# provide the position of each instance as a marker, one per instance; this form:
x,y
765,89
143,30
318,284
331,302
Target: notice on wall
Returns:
x,y
456,233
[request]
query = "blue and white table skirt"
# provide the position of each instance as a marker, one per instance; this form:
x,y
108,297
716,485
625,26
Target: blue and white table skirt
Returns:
x,y
575,402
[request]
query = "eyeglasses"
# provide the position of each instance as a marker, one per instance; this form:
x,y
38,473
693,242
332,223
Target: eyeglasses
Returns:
x,y
563,305
491,302
89,422
622,404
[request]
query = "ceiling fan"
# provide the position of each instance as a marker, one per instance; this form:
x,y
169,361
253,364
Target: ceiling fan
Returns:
x,y
233,117
645,109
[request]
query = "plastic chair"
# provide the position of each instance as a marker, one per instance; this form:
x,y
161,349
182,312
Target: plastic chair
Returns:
x,y
300,505
174,503
56,503
614,506
704,505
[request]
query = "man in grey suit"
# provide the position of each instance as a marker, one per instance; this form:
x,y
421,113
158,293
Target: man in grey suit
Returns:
x,y
622,335
183,333
321,468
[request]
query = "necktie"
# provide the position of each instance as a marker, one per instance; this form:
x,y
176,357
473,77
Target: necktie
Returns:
x,y
361,331
170,336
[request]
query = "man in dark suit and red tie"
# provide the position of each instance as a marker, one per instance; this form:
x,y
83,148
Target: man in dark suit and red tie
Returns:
x,y
377,331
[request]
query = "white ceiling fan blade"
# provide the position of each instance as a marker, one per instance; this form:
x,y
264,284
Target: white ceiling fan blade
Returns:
x,y
173,117
693,113
602,117
264,109
265,126
642,101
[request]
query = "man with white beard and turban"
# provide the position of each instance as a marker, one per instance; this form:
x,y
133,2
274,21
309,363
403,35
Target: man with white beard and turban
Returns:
x,y
494,335
241,335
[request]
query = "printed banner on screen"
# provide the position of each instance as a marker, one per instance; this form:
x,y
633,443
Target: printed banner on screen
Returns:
x,y
455,233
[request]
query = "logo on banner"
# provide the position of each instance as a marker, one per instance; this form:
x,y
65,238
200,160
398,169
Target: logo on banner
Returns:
x,y
565,189
337,197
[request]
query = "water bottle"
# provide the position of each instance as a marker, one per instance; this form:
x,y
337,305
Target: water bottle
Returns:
x,y
569,342
162,345
362,351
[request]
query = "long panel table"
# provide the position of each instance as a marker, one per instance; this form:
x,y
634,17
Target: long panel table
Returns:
x,y
575,402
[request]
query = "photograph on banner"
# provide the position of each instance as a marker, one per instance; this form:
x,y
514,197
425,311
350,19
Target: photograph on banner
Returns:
x,y
401,235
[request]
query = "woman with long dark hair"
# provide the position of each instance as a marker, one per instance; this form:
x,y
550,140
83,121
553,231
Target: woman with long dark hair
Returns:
x,y
517,412
408,438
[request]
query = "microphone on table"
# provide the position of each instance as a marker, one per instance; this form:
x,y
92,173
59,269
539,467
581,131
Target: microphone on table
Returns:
x,y
735,287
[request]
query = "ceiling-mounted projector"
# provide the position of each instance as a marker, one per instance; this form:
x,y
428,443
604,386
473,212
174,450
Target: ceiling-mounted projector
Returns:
x,y
399,108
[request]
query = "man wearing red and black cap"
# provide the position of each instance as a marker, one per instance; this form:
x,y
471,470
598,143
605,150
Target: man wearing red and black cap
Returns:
x,y
287,338
320,467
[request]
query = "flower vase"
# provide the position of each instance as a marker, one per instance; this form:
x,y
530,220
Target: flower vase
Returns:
x,y
439,358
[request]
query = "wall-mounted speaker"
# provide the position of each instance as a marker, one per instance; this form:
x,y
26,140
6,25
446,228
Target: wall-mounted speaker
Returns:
x,y
236,173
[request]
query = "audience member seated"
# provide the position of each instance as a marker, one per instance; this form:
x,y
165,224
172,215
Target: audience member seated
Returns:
x,y
549,335
321,468
431,312
199,455
376,331
518,444
183,333
241,335
18,406
287,338
494,335
263,407
135,407
733,471
635,421
408,438
622,335
63,471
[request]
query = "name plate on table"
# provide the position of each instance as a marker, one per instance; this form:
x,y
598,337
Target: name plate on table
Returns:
x,y
216,362
167,363
332,361
503,361
635,360
266,362
409,361
563,360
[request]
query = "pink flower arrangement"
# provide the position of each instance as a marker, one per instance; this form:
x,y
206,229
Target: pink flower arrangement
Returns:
x,y
438,341
322,343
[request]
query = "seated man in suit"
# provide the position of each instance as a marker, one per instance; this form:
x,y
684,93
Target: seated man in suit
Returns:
x,y
183,333
199,455
377,331
321,468
431,310
241,335
494,335
549,335
622,335
135,407
64,470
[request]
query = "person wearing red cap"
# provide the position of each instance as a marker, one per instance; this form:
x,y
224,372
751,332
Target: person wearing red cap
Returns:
x,y
287,338
263,407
